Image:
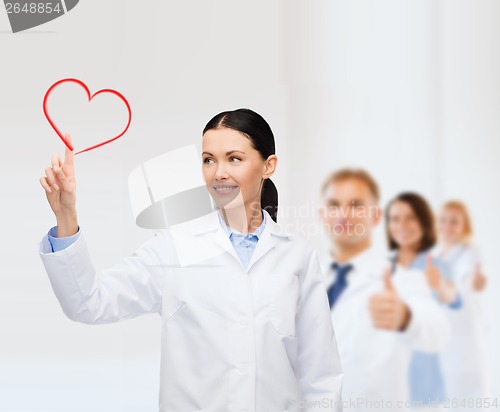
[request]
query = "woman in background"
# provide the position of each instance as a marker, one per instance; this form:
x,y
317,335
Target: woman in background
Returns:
x,y
411,236
463,363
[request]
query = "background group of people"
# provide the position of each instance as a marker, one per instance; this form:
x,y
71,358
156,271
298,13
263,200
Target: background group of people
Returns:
x,y
409,325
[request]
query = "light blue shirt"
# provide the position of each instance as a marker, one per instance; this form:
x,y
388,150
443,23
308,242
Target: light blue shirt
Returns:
x,y
426,380
244,244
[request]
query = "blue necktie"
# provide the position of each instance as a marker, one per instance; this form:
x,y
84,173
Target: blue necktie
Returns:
x,y
340,282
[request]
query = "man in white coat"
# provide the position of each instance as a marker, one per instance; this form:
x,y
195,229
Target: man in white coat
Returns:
x,y
380,312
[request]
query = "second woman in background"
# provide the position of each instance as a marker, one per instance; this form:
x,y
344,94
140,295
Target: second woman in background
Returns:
x,y
464,362
411,236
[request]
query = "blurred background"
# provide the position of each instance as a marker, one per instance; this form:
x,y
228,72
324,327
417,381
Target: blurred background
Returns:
x,y
410,91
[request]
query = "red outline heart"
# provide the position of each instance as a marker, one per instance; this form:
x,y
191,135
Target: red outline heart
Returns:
x,y
90,97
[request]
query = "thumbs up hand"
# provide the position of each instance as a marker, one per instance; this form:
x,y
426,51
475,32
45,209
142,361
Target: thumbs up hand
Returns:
x,y
432,273
445,289
388,286
387,309
479,280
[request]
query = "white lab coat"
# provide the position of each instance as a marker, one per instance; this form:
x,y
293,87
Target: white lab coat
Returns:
x,y
464,361
376,362
255,340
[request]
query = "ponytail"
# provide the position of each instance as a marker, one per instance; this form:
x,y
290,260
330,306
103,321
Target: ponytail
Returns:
x,y
269,199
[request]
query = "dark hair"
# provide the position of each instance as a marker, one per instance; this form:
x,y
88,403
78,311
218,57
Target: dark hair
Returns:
x,y
425,217
253,126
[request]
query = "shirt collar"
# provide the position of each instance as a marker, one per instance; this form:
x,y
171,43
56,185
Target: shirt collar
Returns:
x,y
233,232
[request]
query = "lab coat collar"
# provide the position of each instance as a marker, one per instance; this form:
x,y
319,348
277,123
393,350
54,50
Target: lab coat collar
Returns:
x,y
265,244
210,222
232,232
207,224
367,267
366,264
451,254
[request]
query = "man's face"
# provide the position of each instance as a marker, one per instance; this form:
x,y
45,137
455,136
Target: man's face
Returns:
x,y
349,212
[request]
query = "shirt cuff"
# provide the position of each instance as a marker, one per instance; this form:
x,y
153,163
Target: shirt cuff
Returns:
x,y
457,304
61,243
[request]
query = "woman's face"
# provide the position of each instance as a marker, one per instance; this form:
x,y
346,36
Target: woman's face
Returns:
x,y
451,226
233,169
404,227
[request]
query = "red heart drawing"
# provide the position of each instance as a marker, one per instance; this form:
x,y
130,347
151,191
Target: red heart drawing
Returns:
x,y
90,97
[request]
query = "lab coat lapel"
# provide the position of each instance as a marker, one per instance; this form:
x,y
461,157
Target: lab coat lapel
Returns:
x,y
356,282
222,239
264,245
363,274
267,240
209,225
203,235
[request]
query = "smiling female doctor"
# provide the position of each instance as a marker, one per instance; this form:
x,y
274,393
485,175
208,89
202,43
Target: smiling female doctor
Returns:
x,y
245,319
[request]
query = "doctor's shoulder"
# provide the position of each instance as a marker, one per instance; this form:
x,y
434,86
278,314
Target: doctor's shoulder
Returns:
x,y
298,253
190,242
470,254
167,246
158,250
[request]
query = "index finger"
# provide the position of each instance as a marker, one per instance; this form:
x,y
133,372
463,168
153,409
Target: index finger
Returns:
x,y
68,154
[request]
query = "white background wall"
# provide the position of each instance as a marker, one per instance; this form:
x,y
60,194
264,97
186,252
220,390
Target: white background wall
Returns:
x,y
408,90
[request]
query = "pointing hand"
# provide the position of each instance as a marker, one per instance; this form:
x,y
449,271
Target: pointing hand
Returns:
x,y
60,187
